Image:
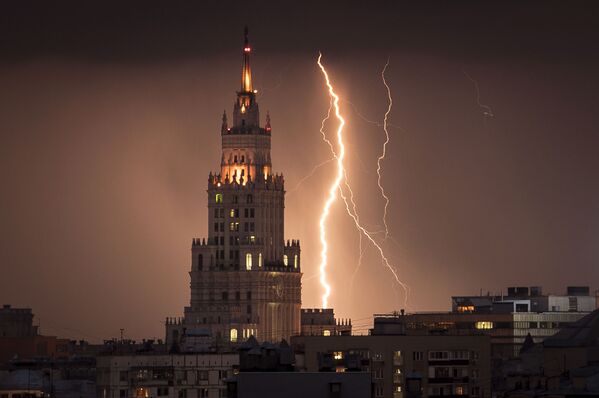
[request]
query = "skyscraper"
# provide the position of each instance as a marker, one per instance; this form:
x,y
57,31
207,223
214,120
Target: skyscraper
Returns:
x,y
245,280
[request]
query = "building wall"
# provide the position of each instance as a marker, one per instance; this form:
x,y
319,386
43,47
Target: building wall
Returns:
x,y
392,359
16,322
167,376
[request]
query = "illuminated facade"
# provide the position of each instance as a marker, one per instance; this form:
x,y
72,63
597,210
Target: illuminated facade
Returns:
x,y
245,280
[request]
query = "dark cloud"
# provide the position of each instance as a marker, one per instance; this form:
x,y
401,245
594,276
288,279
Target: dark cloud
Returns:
x,y
160,31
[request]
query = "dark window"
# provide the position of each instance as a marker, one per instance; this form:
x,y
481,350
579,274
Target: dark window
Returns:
x,y
215,227
237,296
235,199
249,309
200,262
236,213
246,212
245,227
252,213
225,296
216,213
222,227
222,240
249,199
252,227
235,159
249,295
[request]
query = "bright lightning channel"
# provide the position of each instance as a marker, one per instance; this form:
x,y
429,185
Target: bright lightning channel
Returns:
x,y
333,189
342,174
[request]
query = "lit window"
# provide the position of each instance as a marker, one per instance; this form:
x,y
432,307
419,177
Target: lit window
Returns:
x,y
459,390
326,332
285,260
219,198
232,213
338,355
466,308
260,260
295,261
484,325
397,358
252,239
248,261
233,335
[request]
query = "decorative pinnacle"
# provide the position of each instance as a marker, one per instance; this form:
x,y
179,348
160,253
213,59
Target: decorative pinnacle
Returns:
x,y
246,73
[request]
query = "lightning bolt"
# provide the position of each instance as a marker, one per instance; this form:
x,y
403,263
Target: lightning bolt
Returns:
x,y
347,199
310,174
384,152
334,187
487,111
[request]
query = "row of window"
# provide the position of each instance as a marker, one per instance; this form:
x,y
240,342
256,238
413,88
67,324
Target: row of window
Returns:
x,y
248,296
234,255
245,334
218,198
248,212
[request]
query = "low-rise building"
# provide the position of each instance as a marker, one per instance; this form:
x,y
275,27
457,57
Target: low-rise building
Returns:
x,y
199,375
404,366
322,322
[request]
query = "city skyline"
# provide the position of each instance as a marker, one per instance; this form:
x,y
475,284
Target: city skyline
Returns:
x,y
106,153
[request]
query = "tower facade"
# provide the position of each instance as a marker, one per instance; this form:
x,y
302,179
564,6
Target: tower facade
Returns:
x,y
245,279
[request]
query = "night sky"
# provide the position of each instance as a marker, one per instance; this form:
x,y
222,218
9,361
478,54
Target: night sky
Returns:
x,y
110,123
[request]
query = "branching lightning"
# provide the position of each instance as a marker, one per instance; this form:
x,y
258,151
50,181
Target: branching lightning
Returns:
x,y
384,152
487,111
347,199
310,174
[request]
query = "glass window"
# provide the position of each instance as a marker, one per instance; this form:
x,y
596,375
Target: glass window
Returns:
x,y
248,261
484,325
295,261
285,260
218,198
233,335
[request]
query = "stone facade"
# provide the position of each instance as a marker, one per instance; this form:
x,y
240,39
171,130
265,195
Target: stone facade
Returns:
x,y
245,279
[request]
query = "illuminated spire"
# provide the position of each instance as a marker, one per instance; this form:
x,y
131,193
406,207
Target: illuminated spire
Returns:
x,y
246,72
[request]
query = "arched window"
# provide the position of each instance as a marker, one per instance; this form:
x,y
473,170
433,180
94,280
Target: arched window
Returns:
x,y
248,261
219,198
200,262
260,260
295,261
285,260
233,335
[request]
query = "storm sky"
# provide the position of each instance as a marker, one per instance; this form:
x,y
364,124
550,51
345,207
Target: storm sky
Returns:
x,y
110,123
